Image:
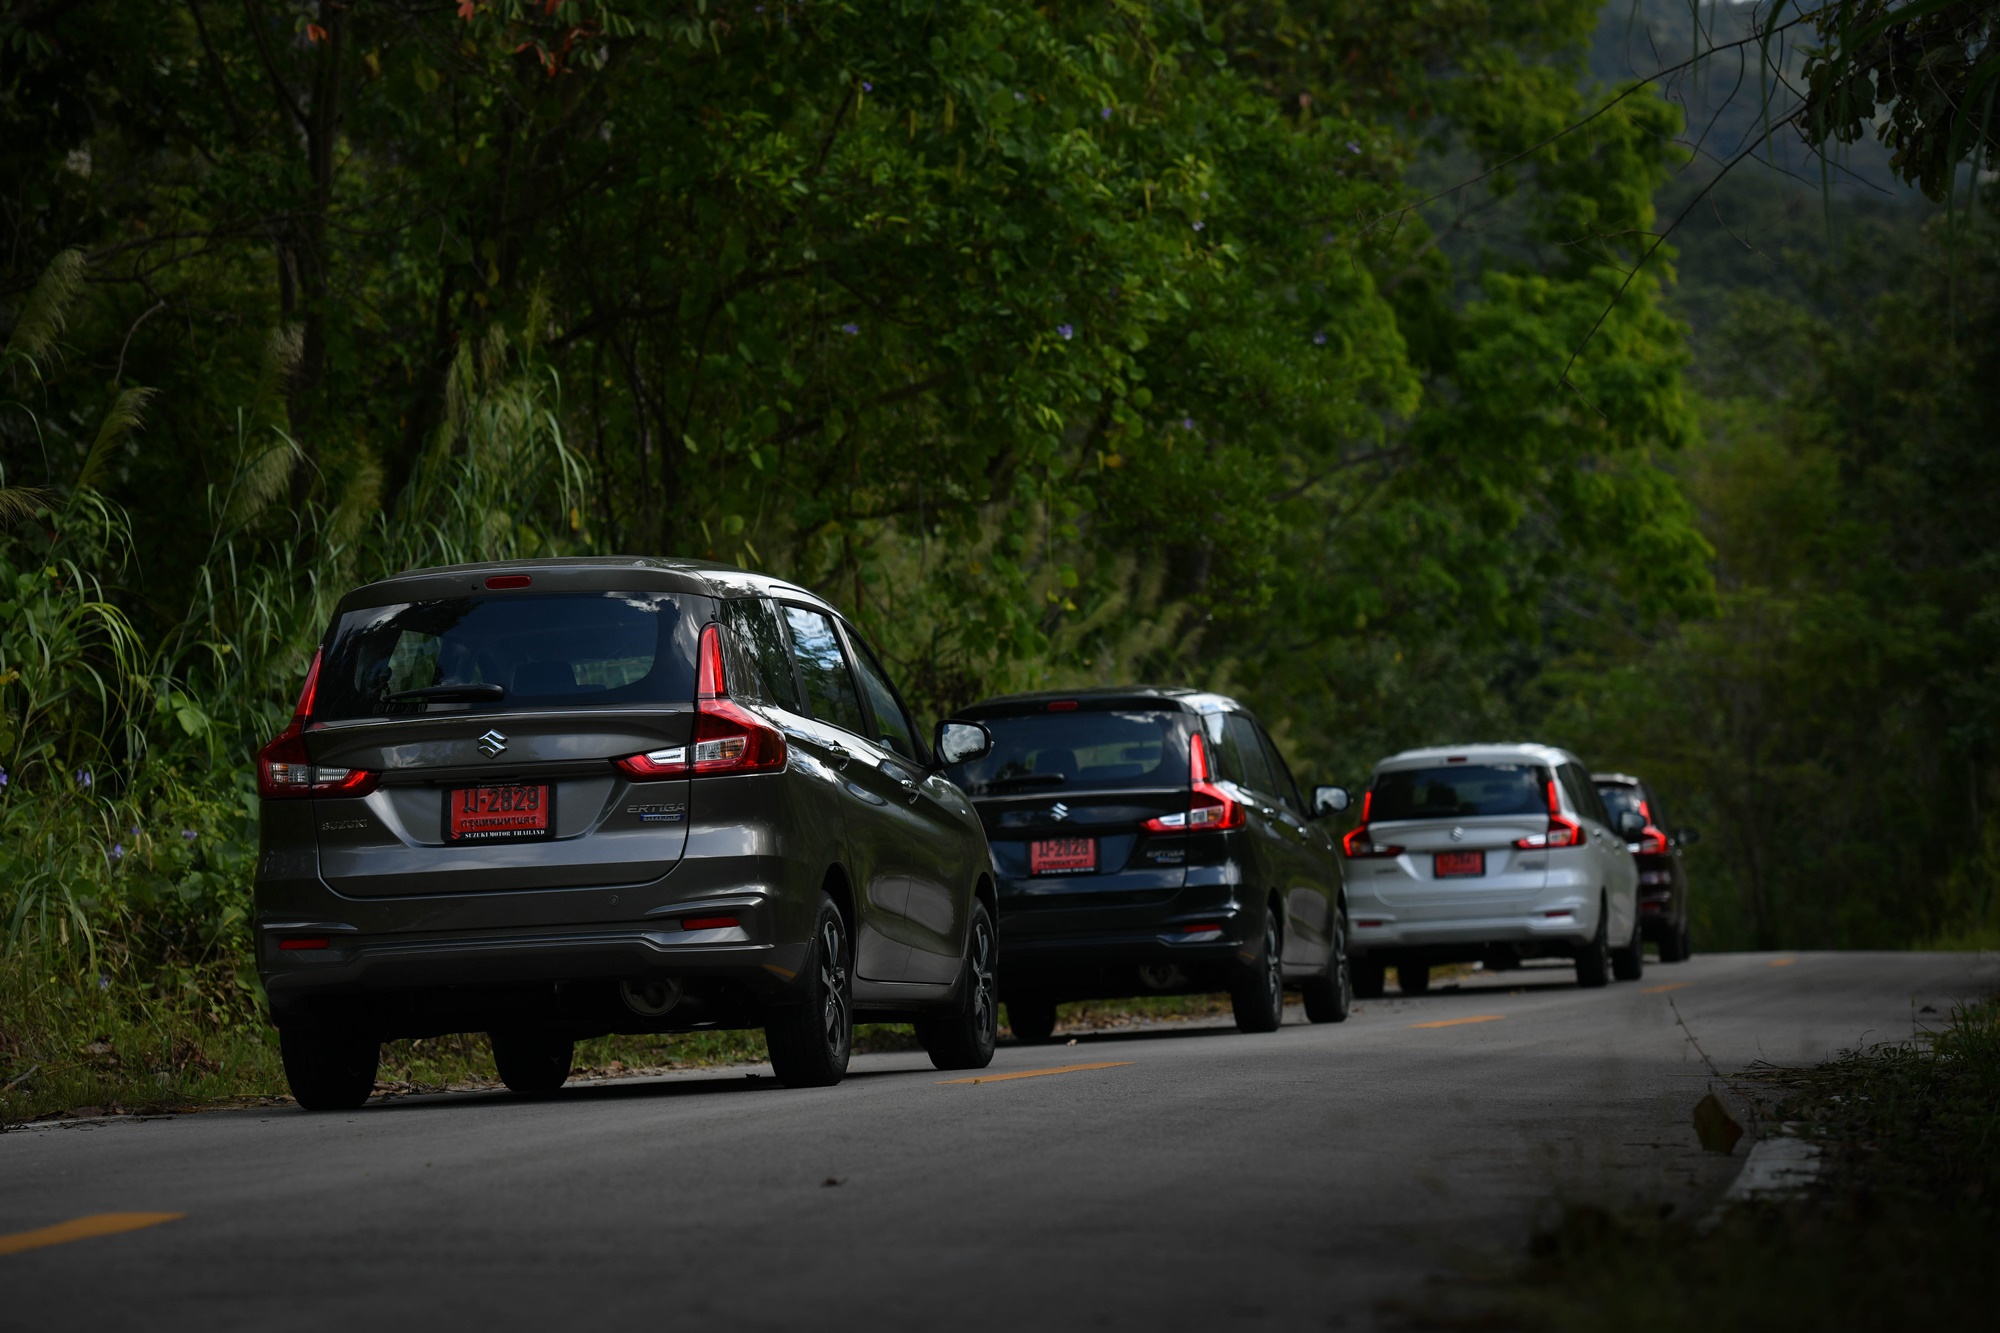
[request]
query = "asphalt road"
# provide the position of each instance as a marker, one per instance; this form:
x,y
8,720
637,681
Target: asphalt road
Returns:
x,y
1204,1179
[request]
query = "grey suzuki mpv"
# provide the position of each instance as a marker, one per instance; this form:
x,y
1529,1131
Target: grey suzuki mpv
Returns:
x,y
555,799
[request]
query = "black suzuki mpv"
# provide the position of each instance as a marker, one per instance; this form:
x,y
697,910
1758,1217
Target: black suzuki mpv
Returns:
x,y
552,800
1152,842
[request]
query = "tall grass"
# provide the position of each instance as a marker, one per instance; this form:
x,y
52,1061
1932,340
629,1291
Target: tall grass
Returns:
x,y
127,798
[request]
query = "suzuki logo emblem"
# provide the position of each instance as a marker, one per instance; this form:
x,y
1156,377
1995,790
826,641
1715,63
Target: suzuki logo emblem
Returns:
x,y
1458,835
493,742
1060,811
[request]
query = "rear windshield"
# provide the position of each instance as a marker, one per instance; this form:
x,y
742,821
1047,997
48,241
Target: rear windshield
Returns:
x,y
1618,798
541,650
1460,791
1078,752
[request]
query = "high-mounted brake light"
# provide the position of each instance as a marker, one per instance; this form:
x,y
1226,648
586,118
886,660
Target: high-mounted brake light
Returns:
x,y
728,738
1562,831
285,770
509,581
1062,706
1358,843
1210,808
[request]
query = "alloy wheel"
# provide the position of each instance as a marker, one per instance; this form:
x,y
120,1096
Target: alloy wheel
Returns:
x,y
985,1003
833,985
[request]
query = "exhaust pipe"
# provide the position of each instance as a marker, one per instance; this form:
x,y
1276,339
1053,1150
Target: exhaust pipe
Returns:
x,y
652,999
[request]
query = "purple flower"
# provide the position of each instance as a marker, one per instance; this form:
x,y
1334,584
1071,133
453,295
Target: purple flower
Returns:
x,y
83,778
850,329
867,87
1353,147
1020,97
117,851
103,982
187,835
1187,423
1199,225
1105,114
3,777
1319,338
1066,331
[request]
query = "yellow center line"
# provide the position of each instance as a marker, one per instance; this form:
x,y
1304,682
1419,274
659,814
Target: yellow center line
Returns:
x,y
1033,1073
1454,1022
83,1228
1662,990
1783,962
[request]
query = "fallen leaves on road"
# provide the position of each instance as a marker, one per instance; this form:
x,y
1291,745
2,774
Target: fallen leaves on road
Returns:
x,y
1715,1127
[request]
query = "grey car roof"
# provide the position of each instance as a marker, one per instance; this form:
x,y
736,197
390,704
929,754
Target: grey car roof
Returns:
x,y
1485,751
581,572
1622,779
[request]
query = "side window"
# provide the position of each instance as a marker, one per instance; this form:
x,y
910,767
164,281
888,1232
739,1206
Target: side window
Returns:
x,y
892,724
1247,752
823,667
754,621
1287,790
1583,794
1223,763
1654,810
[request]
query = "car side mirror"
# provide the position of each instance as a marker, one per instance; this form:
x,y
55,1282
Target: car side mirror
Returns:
x,y
1687,836
1329,801
1630,824
961,742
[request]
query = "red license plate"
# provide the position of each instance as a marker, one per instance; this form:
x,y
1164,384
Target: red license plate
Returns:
x,y
1062,856
1450,864
497,814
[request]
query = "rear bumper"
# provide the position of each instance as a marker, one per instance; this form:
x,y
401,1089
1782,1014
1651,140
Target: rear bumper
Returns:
x,y
1105,953
1375,934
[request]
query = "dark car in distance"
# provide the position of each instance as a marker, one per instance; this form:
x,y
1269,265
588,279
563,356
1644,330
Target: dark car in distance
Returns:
x,y
1664,914
1152,842
551,800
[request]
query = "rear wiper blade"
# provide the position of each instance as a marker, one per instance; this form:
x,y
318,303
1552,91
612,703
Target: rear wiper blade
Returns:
x,y
1028,780
455,694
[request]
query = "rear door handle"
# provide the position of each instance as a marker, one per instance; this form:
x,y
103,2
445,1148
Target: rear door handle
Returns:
x,y
839,754
910,789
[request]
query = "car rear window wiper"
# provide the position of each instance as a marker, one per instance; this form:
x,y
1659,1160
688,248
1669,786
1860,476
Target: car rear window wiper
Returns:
x,y
1027,780
455,694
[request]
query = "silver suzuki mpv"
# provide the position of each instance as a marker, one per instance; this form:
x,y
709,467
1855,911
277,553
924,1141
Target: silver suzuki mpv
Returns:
x,y
1492,854
556,799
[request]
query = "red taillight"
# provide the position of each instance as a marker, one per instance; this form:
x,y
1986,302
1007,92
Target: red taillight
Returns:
x,y
728,738
289,945
1561,831
1210,808
1358,843
1652,841
708,923
284,769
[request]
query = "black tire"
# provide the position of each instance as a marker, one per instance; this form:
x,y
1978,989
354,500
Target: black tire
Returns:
x,y
1258,998
964,1036
1413,978
329,1069
1033,1020
532,1063
1329,999
1371,978
1676,947
812,1036
1593,963
1629,963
